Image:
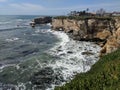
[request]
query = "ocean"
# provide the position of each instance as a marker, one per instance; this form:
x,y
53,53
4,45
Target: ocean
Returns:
x,y
39,58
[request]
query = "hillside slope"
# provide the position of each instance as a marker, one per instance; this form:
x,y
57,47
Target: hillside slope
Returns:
x,y
104,75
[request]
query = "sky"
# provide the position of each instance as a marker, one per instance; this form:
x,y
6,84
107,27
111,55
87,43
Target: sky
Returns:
x,y
54,7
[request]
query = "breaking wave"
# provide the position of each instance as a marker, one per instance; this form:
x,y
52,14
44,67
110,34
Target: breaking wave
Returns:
x,y
71,59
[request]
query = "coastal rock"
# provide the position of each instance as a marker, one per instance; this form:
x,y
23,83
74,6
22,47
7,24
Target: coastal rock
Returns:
x,y
56,25
117,34
45,77
70,25
41,20
87,53
84,29
69,52
103,35
105,32
113,42
111,45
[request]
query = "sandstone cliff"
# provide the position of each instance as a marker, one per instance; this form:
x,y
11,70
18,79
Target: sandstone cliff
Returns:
x,y
105,30
88,29
113,41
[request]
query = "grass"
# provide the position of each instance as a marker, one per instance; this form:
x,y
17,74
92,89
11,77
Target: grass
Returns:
x,y
104,75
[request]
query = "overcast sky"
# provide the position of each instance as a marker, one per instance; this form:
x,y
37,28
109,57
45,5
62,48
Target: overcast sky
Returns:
x,y
54,7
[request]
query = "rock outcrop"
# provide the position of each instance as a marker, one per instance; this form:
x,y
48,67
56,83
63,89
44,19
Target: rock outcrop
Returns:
x,y
113,42
41,20
88,29
105,30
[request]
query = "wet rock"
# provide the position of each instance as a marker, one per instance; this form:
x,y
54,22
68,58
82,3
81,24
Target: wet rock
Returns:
x,y
45,77
87,53
27,52
41,20
59,50
59,47
62,54
1,65
69,52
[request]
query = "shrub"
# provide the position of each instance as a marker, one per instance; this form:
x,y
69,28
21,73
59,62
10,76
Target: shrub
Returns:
x,y
104,75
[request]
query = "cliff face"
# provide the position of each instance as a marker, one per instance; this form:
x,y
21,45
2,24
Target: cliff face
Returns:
x,y
85,29
104,30
113,41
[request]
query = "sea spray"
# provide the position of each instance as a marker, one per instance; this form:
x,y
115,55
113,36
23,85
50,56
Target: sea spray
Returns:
x,y
71,60
38,63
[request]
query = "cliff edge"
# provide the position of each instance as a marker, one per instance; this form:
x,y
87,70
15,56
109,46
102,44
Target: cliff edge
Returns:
x,y
104,30
105,74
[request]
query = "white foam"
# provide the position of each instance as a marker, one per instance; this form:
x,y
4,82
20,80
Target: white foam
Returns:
x,y
19,20
12,39
49,24
4,66
42,31
3,23
71,59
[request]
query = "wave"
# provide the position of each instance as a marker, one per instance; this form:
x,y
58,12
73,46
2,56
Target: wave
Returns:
x,y
4,23
12,28
12,39
72,61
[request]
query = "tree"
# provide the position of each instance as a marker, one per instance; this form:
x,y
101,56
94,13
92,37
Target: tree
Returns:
x,y
100,12
87,9
72,13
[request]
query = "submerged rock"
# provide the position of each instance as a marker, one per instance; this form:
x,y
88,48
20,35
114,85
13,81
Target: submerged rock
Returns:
x,y
70,52
45,77
87,53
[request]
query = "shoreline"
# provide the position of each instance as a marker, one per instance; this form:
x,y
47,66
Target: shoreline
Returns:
x,y
105,72
72,61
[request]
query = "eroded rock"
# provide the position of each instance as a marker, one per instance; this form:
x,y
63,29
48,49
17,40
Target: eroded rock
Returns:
x,y
104,32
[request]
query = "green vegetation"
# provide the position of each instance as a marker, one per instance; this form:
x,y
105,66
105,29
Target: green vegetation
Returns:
x,y
84,17
104,75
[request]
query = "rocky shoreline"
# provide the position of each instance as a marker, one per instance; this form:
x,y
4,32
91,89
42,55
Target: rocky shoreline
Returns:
x,y
70,57
41,20
104,32
74,49
74,56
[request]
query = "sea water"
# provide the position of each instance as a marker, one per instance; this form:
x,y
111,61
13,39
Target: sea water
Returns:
x,y
39,58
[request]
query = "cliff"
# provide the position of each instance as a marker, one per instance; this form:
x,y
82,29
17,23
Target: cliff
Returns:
x,y
104,30
105,74
41,20
113,41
